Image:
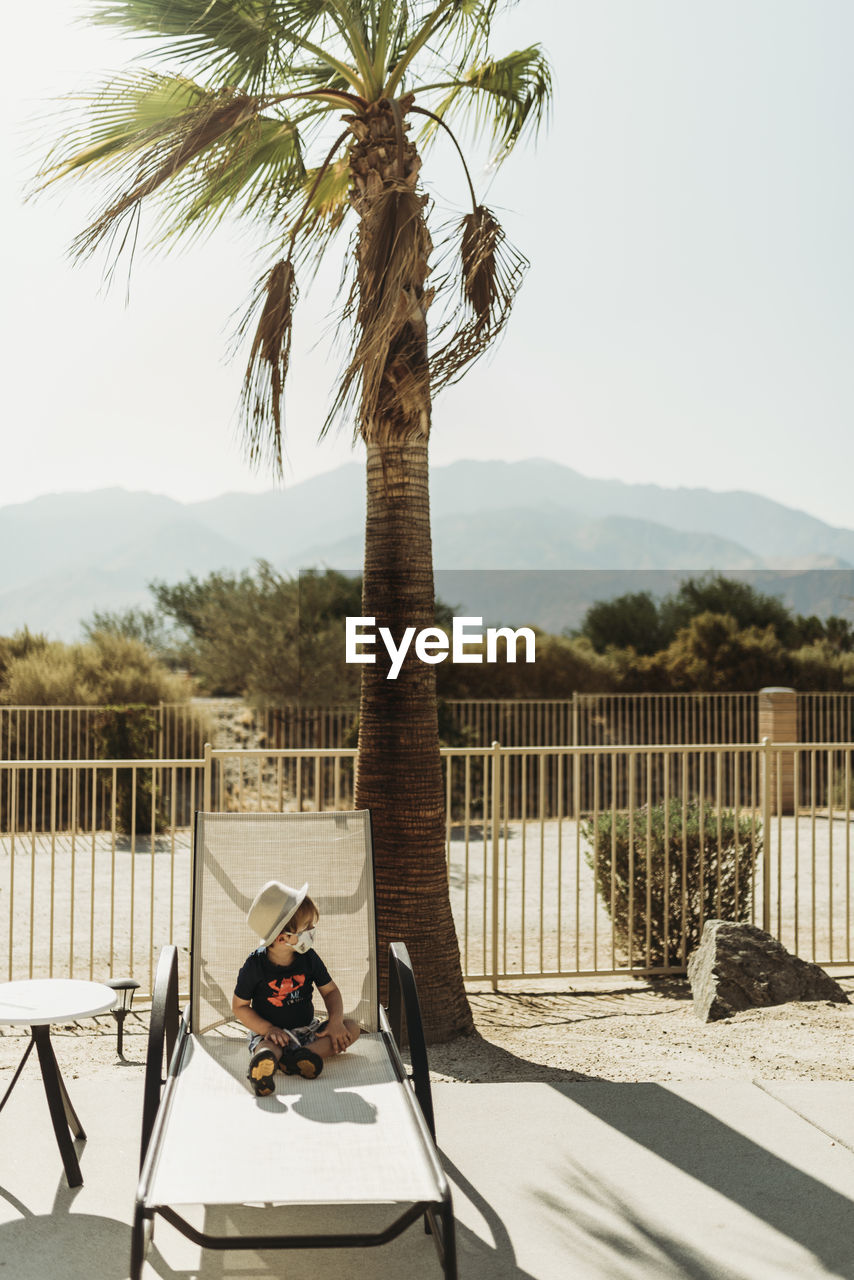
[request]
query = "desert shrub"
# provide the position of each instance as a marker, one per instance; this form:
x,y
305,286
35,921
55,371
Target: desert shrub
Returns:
x,y
108,668
18,646
717,878
146,625
819,666
42,677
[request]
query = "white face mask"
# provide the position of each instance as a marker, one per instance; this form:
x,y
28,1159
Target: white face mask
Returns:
x,y
304,942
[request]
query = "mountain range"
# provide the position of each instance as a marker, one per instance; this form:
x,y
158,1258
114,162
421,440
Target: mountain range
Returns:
x,y
516,542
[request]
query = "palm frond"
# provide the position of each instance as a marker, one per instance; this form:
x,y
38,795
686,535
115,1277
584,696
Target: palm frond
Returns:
x,y
502,96
242,43
455,32
314,77
263,384
101,131
258,183
490,274
197,202
200,153
325,206
212,135
234,42
309,219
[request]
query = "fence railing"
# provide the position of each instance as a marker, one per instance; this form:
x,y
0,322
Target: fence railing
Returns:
x,y
270,780
583,719
178,729
593,860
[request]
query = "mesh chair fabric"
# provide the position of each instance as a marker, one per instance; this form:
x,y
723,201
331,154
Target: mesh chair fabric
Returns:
x,y
235,853
348,1137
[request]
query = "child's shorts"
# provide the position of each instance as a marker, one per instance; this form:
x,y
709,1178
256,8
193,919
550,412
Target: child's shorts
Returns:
x,y
299,1036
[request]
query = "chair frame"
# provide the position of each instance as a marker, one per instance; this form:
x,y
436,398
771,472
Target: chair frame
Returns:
x,y
169,1036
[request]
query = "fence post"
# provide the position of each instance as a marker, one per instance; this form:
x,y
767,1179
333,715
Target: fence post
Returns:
x,y
766,833
496,817
778,720
206,788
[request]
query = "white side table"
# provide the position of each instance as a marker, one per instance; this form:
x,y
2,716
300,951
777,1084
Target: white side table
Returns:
x,y
37,1003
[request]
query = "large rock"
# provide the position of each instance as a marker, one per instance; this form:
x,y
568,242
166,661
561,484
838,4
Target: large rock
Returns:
x,y
738,966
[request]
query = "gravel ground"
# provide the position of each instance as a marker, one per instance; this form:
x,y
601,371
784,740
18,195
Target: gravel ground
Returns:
x,y
599,1029
645,1031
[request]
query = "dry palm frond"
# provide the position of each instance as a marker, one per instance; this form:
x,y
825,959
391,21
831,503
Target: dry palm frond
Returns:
x,y
264,381
485,287
491,273
210,134
386,300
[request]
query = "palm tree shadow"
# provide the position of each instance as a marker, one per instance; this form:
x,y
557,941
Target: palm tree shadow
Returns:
x,y
606,1235
693,1140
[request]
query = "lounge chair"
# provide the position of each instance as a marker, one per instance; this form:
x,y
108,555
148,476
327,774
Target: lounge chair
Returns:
x,y
347,1159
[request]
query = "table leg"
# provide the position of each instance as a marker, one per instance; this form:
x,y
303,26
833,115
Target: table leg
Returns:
x,y
70,1114
27,1053
62,1113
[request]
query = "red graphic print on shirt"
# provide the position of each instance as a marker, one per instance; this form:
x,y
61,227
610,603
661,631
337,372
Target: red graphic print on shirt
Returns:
x,y
284,987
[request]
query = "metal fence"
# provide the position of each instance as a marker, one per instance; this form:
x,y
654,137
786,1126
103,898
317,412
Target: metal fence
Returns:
x,y
598,861
82,897
179,729
582,719
273,780
667,838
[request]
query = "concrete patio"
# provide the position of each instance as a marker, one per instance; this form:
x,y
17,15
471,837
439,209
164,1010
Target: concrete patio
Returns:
x,y
594,1180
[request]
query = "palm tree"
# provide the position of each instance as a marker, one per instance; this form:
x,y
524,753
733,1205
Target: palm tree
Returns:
x,y
242,128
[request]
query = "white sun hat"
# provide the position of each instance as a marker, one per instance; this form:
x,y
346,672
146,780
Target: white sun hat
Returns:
x,y
273,907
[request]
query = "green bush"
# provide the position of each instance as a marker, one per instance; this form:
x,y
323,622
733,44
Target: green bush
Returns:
x,y
264,636
711,874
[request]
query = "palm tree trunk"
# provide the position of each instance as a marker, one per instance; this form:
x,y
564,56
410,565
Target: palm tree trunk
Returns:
x,y
399,775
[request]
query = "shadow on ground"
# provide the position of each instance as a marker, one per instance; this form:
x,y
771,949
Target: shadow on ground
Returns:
x,y
474,1059
75,1246
691,1139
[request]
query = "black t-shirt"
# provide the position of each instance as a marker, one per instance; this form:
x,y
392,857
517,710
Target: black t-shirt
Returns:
x,y
281,993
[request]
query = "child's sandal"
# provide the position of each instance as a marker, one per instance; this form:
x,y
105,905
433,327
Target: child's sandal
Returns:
x,y
262,1072
301,1062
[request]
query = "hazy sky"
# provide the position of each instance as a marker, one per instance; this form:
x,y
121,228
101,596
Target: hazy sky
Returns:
x,y
687,320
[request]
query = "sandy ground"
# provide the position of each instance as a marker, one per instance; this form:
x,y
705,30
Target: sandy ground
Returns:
x,y
602,1029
